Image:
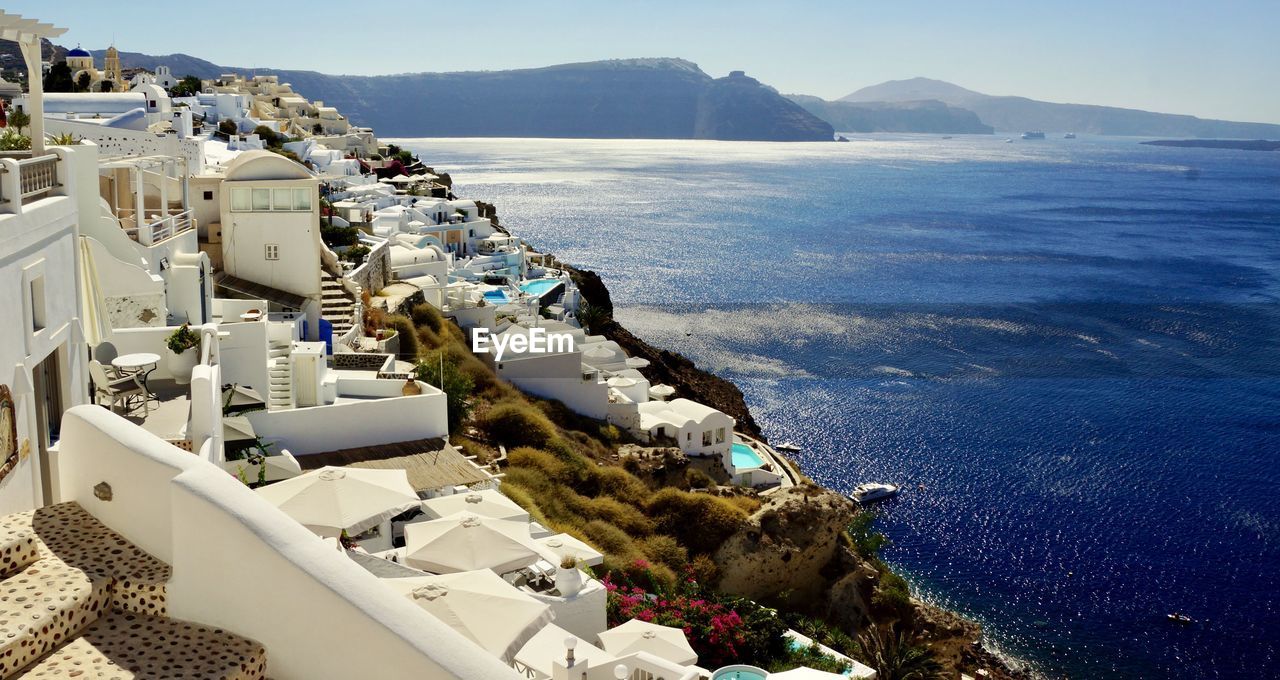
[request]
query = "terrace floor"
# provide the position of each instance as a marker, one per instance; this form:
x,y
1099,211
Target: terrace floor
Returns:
x,y
167,412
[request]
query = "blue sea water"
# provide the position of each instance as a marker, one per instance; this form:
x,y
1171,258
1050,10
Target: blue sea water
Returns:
x,y
1067,351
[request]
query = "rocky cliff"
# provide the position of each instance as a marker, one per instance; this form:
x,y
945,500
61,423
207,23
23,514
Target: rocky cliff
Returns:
x,y
665,366
615,99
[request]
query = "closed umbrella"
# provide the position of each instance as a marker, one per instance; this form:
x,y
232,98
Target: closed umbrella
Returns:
x,y
335,499
641,636
466,542
480,605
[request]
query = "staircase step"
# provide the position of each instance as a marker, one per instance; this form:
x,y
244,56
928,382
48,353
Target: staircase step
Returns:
x,y
135,646
17,550
44,605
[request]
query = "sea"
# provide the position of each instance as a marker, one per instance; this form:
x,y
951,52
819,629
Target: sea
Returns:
x,y
1067,352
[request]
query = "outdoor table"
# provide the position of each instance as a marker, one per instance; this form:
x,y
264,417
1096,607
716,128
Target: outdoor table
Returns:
x,y
129,364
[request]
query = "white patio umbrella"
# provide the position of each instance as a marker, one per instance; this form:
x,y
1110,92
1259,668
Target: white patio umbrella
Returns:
x,y
641,636
480,605
637,362
487,503
466,542
599,352
661,391
622,381
560,546
333,499
806,673
551,644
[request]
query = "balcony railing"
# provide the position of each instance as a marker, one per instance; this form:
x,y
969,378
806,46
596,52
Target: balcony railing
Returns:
x,y
37,177
157,228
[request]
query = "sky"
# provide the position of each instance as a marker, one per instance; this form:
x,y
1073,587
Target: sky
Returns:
x,y
1211,58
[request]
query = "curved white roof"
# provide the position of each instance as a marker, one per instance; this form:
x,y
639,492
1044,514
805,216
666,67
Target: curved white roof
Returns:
x,y
264,165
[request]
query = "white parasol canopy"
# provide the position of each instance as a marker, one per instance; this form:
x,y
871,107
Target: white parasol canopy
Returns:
x,y
560,546
641,636
480,605
466,542
487,503
548,647
637,362
333,499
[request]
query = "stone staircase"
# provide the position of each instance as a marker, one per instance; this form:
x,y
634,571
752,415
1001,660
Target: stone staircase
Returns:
x,y
280,371
78,600
337,305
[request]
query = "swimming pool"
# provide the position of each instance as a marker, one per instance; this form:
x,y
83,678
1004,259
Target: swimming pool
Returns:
x,y
745,457
539,287
740,672
498,297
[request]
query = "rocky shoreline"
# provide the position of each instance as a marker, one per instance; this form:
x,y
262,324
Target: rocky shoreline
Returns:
x,y
789,554
790,548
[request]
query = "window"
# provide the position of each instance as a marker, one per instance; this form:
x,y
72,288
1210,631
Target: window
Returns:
x,y
706,438
688,436
720,436
37,304
240,200
273,251
281,199
302,199
208,196
261,199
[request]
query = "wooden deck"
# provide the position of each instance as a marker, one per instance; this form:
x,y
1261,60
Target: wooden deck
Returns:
x,y
431,463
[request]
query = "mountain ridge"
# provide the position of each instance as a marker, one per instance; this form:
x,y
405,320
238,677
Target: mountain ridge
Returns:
x,y
650,98
1009,113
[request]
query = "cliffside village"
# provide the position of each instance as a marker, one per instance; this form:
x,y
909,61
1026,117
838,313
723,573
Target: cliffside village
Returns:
x,y
188,280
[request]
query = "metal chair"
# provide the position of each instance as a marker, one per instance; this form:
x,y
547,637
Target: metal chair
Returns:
x,y
119,390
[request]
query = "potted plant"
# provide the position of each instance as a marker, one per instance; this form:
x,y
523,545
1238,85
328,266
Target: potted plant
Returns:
x,y
184,352
568,577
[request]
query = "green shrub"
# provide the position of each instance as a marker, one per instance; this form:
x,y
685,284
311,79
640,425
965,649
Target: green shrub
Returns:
x,y
622,485
408,338
426,315
609,538
182,339
536,459
892,596
667,551
621,515
516,424
444,374
700,522
227,127
697,479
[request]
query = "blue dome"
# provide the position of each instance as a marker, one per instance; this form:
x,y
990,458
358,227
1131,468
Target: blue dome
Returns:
x,y
77,52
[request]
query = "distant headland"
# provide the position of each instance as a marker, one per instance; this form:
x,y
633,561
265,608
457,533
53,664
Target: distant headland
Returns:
x,y
1242,144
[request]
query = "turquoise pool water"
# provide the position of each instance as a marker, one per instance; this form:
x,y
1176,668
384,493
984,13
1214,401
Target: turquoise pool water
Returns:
x,y
740,673
496,297
745,457
539,286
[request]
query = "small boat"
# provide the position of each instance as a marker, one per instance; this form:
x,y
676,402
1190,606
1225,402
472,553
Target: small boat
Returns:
x,y
946,136
1009,140
1069,135
1033,134
1181,619
841,138
871,492
789,447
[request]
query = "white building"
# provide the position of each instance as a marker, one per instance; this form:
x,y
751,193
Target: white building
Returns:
x,y
270,219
